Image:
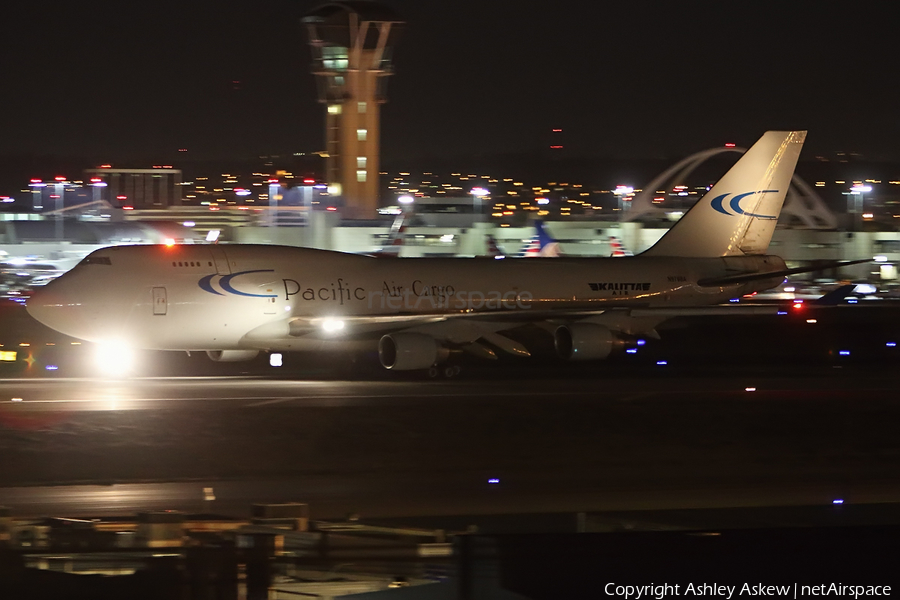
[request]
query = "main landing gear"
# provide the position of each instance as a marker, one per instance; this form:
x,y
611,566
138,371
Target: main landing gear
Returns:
x,y
445,371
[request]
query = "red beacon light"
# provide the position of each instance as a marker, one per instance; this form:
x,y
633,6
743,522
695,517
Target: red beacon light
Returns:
x,y
729,145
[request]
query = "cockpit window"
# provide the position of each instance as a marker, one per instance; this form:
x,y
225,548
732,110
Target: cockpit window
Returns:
x,y
96,260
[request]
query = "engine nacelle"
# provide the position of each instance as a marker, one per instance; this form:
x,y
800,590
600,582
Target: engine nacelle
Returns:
x,y
409,351
231,355
584,341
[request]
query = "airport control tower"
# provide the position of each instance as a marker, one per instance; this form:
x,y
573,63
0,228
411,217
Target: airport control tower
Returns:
x,y
352,43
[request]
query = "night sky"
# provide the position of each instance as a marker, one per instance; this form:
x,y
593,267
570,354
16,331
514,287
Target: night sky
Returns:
x,y
131,82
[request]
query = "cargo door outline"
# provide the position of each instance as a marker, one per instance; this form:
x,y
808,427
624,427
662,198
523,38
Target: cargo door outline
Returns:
x,y
160,301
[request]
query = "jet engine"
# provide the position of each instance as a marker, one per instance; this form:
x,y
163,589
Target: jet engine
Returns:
x,y
584,341
231,355
406,351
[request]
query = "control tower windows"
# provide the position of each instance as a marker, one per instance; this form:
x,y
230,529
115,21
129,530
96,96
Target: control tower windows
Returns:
x,y
335,58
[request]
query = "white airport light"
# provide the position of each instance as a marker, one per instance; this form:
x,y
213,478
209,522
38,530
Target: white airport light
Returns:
x,y
479,191
405,199
542,201
275,359
749,389
880,258
213,235
623,190
860,189
332,325
114,359
188,223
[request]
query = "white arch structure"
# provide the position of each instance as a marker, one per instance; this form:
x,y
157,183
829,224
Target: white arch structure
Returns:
x,y
802,201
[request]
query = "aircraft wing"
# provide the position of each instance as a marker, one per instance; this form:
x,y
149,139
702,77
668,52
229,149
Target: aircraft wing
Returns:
x,y
469,327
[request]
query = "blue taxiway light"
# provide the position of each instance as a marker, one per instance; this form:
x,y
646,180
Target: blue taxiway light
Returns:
x,y
662,362
837,501
844,352
494,480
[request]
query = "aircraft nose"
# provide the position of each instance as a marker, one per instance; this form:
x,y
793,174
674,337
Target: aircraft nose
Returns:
x,y
52,306
41,305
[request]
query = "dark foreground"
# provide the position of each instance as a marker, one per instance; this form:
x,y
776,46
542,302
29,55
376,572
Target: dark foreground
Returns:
x,y
745,415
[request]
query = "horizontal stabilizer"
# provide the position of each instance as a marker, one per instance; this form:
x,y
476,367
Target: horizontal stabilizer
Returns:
x,y
756,276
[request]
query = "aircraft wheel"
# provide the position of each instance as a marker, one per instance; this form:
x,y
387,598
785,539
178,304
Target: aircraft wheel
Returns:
x,y
433,372
451,371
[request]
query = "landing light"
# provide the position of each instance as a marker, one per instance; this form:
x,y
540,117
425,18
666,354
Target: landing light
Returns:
x,y
332,325
891,344
275,359
114,358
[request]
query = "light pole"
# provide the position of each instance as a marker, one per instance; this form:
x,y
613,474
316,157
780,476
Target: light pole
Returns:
x,y
478,193
273,202
37,194
858,199
60,190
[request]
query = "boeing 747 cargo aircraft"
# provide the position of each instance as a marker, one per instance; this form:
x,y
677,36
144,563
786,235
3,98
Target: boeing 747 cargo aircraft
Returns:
x,y
235,301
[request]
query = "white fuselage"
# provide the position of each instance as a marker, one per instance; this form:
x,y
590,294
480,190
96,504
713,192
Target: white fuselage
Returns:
x,y
251,297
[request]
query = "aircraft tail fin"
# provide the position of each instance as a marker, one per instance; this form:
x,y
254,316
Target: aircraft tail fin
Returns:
x,y
737,216
394,241
617,247
540,244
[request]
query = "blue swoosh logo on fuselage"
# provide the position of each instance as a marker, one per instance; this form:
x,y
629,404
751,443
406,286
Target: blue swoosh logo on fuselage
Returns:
x,y
225,283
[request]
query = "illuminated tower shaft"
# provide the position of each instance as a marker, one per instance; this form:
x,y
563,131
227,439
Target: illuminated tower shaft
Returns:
x,y
352,44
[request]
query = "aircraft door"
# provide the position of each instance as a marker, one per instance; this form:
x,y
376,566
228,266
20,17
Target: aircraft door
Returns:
x,y
160,302
220,260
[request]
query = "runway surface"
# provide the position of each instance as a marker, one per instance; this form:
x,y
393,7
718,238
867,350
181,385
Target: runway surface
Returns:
x,y
658,439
